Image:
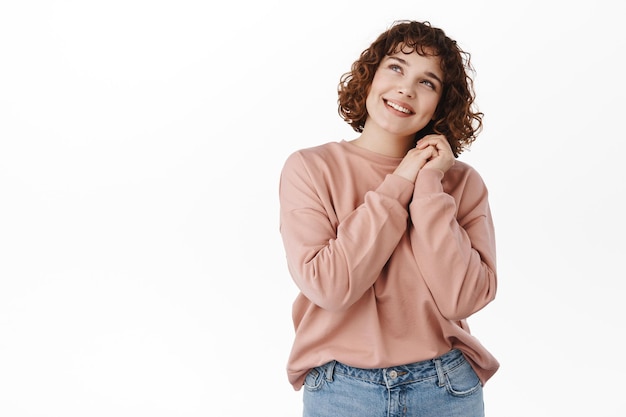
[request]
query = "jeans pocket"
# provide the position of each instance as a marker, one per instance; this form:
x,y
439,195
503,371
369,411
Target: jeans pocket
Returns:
x,y
314,379
462,380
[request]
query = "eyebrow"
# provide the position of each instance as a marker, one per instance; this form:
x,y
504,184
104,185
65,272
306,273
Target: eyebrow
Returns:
x,y
430,74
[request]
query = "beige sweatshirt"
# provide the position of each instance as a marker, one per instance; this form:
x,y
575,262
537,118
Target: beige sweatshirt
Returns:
x,y
388,270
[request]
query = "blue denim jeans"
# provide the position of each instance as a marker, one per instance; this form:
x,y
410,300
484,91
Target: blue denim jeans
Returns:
x,y
446,386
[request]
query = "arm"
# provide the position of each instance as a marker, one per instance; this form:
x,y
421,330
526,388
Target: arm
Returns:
x,y
454,248
334,263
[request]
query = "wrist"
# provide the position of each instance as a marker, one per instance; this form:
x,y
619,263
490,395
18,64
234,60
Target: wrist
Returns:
x,y
428,181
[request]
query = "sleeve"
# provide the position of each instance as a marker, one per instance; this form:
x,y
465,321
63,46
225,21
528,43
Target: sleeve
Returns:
x,y
334,264
454,248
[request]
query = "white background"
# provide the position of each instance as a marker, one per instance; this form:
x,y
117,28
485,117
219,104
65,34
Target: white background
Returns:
x,y
141,268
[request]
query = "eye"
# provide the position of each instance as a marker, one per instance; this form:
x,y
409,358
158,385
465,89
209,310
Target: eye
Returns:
x,y
395,67
429,84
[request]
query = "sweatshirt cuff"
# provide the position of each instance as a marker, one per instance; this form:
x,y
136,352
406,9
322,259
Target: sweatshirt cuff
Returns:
x,y
429,181
396,187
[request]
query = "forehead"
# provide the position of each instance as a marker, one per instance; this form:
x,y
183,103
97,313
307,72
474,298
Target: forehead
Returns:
x,y
408,46
419,59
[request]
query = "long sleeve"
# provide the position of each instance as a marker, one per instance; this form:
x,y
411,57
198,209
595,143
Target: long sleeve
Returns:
x,y
335,256
386,269
452,238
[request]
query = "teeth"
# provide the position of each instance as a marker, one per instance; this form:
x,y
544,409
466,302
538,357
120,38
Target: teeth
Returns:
x,y
399,108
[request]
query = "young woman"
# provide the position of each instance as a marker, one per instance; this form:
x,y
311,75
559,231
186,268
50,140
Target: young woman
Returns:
x,y
390,240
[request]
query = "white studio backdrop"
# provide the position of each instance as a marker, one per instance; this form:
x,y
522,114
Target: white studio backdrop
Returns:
x,y
141,268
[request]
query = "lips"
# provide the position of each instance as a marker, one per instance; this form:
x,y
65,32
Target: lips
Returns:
x,y
401,108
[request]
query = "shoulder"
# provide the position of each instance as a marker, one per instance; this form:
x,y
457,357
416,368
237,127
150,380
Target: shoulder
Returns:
x,y
314,156
463,169
463,176
319,151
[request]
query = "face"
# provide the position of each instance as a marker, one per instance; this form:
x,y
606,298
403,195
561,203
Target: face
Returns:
x,y
404,93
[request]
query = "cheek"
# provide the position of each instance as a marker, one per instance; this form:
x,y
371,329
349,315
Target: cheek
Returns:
x,y
433,105
370,100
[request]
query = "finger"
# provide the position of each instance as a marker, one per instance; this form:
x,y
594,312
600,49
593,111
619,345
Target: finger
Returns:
x,y
441,144
431,140
422,144
429,143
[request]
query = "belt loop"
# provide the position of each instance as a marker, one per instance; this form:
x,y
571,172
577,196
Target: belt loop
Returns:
x,y
440,374
329,370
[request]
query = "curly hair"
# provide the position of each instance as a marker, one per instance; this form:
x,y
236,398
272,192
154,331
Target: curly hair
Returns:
x,y
455,117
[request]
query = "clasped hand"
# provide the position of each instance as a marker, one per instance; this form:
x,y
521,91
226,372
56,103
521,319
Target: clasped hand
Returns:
x,y
432,151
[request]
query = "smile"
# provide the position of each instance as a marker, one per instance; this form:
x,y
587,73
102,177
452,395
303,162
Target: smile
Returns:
x,y
398,107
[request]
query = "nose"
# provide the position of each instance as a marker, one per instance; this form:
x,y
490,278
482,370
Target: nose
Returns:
x,y
406,90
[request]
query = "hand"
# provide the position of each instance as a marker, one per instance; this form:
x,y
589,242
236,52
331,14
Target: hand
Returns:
x,y
442,158
414,160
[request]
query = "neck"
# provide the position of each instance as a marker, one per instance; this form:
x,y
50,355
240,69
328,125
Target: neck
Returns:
x,y
385,144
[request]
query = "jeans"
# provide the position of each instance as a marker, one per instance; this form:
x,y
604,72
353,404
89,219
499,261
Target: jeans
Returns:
x,y
446,386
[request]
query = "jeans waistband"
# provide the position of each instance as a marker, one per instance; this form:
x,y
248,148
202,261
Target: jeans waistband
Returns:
x,y
401,374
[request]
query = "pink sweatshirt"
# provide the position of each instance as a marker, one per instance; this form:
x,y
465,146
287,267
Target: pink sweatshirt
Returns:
x,y
388,270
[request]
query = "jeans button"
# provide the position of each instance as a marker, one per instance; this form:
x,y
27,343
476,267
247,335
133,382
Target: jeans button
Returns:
x,y
393,374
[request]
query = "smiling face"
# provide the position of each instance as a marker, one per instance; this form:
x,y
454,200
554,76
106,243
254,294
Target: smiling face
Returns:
x,y
404,94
